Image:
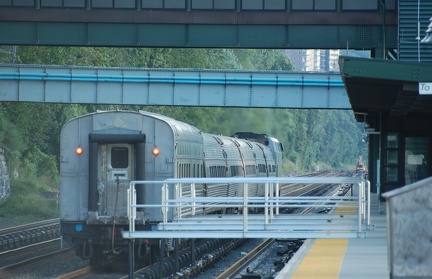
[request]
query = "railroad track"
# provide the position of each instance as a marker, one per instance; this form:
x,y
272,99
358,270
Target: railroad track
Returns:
x,y
85,271
24,245
5,271
29,234
207,251
244,262
29,248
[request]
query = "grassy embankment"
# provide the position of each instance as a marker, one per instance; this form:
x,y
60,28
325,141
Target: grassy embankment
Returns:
x,y
30,201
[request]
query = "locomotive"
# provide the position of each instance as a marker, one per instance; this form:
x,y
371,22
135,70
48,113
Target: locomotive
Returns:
x,y
100,153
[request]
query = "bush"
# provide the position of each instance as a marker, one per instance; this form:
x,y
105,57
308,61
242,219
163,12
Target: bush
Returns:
x,y
288,167
27,200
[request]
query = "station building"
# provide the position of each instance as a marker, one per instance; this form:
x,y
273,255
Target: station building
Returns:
x,y
392,96
394,100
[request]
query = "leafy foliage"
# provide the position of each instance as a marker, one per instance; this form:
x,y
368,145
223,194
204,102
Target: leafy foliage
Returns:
x,y
10,134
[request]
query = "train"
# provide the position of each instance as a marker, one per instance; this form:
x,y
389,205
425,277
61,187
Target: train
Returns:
x,y
102,152
360,167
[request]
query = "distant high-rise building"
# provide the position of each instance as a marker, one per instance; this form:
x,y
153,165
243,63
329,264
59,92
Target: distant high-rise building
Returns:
x,y
297,57
314,60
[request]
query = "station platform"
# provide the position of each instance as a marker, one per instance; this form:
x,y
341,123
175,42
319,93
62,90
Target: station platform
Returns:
x,y
344,258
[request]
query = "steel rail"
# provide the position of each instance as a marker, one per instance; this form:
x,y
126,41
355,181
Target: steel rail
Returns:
x,y
13,267
29,226
241,264
28,248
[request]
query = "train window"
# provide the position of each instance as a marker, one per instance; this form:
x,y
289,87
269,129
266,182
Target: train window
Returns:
x,y
119,157
236,171
250,169
218,171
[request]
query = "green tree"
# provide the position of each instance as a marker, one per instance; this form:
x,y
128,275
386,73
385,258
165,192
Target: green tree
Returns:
x,y
10,135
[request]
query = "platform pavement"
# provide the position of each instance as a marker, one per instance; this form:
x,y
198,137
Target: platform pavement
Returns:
x,y
362,258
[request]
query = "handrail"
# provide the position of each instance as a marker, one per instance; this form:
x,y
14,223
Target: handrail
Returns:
x,y
173,203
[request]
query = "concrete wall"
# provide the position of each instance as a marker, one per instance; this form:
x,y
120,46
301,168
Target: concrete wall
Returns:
x,y
409,216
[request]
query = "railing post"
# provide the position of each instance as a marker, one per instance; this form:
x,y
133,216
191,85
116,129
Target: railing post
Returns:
x,y
164,203
179,195
266,204
359,210
193,195
271,190
364,199
131,207
368,202
277,196
245,207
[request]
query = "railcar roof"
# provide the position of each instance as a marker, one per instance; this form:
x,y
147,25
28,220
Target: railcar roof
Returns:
x,y
177,125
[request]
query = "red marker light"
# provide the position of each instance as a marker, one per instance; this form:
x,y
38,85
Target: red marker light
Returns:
x,y
79,150
155,151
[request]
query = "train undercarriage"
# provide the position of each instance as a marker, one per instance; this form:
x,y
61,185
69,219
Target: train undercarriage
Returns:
x,y
98,243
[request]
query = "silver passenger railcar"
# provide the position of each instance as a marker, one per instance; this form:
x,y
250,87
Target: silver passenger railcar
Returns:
x,y
102,152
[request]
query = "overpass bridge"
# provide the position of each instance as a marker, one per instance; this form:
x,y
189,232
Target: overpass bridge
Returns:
x,y
172,87
302,24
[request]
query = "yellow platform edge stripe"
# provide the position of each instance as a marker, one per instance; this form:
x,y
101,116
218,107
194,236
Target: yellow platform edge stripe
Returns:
x,y
324,259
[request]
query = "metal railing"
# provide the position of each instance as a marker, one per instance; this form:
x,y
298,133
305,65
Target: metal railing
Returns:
x,y
182,215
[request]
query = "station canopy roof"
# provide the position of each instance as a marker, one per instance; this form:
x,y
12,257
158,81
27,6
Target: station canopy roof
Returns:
x,y
386,85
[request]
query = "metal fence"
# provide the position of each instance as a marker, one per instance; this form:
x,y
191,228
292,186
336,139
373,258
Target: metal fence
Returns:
x,y
348,217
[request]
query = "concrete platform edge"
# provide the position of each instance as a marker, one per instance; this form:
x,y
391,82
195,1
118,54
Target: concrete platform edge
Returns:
x,y
293,263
